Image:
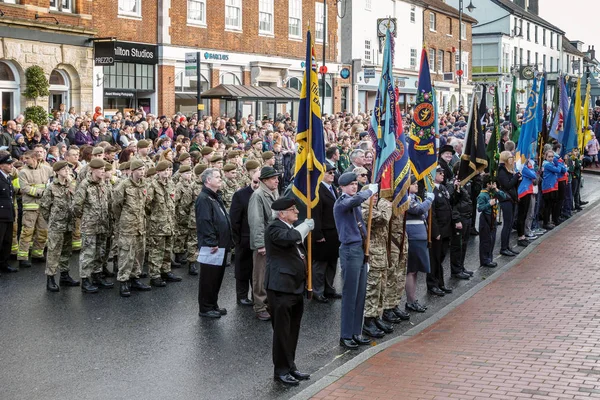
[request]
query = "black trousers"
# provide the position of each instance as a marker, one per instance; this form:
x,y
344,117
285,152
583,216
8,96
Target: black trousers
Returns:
x,y
458,246
211,278
243,272
286,314
551,207
522,210
437,254
562,192
487,238
508,217
6,230
323,275
576,188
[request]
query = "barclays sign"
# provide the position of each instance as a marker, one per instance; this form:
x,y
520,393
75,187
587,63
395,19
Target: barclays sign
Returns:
x,y
216,56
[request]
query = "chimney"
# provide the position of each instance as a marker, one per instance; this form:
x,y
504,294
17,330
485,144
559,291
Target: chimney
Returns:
x,y
534,7
593,53
520,3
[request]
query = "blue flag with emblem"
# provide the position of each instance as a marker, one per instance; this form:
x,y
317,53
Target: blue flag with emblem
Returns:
x,y
529,128
570,135
310,156
422,149
557,128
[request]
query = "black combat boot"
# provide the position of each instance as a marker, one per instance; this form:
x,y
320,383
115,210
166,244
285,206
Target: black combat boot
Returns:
x,y
170,277
98,280
51,285
384,326
87,287
136,284
390,316
66,280
370,329
157,282
124,290
193,268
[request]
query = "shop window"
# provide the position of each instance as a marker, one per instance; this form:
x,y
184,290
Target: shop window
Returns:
x,y
129,76
229,78
295,83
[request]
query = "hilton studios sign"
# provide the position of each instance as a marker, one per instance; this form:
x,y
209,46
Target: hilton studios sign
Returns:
x,y
106,53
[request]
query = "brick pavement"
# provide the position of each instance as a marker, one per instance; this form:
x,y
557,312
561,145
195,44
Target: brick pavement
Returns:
x,y
533,333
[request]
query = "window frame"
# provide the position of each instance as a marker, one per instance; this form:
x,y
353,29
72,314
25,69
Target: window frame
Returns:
x,y
535,34
544,37
413,14
297,17
528,32
58,7
432,61
269,5
135,14
368,5
440,61
413,59
201,22
319,21
368,51
432,21
238,6
463,34
449,26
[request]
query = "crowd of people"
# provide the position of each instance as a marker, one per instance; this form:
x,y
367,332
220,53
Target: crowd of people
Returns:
x,y
140,195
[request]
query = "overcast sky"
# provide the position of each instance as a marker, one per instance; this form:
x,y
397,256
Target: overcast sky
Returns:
x,y
578,18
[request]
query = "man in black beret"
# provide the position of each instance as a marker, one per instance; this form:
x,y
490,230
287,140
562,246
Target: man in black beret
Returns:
x,y
285,280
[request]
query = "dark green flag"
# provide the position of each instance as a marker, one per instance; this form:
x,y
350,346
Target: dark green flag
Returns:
x,y
513,112
492,147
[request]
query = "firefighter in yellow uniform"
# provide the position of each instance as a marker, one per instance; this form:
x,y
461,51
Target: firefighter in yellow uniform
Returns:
x,y
15,239
32,179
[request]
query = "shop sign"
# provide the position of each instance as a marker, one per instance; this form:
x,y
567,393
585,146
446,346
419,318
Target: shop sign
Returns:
x,y
119,93
369,73
106,53
216,56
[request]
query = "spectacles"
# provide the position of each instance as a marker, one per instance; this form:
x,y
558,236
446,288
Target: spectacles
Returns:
x,y
293,209
330,172
255,182
363,175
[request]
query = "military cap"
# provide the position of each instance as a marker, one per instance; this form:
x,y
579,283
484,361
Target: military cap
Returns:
x,y
195,154
96,163
124,166
7,159
439,168
56,167
199,169
347,178
184,168
162,165
329,167
233,154
229,167
151,172
136,164
268,172
251,164
216,158
108,166
267,155
445,148
97,150
257,140
183,156
143,144
207,150
283,203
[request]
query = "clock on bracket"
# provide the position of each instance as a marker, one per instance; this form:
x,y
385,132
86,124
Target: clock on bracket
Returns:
x,y
382,26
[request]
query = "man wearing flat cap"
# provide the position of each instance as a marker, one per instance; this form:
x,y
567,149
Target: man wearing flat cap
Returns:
x,y
285,281
352,231
259,216
7,210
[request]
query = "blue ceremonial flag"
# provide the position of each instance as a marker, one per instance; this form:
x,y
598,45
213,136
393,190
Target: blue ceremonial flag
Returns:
x,y
310,157
539,110
557,128
422,149
569,141
529,128
383,121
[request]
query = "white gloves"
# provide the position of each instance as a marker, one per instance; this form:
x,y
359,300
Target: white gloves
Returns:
x,y
305,227
373,187
430,196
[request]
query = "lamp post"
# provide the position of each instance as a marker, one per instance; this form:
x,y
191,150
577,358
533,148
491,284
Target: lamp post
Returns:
x,y
470,8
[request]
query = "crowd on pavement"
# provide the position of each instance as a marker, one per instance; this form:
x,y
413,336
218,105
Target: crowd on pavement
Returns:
x,y
140,196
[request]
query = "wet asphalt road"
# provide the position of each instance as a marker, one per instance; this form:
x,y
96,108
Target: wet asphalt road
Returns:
x,y
154,346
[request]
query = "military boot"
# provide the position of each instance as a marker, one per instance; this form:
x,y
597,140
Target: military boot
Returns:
x,y
193,268
66,280
51,285
370,329
157,282
87,287
384,326
390,316
136,284
170,277
99,281
124,290
176,261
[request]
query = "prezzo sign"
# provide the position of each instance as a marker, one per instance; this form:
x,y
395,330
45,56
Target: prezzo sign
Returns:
x,y
216,56
106,53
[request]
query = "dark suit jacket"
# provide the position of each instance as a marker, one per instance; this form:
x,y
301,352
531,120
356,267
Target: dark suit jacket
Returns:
x,y
7,195
325,227
441,220
286,270
238,212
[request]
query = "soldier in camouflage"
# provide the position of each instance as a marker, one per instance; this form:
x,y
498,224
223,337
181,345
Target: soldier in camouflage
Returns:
x,y
160,209
56,207
230,184
216,161
110,179
255,153
250,169
84,172
91,204
143,148
183,159
378,260
184,192
188,206
129,202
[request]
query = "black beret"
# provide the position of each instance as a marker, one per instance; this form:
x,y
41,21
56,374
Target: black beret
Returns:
x,y
347,178
283,203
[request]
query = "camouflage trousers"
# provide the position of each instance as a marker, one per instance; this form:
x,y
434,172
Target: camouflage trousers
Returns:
x,y
77,235
131,256
180,239
376,281
396,274
192,246
59,252
34,228
159,254
93,252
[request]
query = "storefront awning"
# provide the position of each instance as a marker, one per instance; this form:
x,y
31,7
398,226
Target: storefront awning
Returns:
x,y
234,92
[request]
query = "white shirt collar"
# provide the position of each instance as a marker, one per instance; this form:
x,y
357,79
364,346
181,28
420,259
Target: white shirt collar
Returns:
x,y
5,175
327,185
289,226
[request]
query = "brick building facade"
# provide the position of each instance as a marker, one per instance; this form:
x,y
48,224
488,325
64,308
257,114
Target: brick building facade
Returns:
x,y
441,35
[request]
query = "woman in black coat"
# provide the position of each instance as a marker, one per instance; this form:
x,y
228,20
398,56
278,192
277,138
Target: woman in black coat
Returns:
x,y
508,182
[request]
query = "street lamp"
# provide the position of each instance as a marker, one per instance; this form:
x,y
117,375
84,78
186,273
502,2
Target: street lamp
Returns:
x,y
470,8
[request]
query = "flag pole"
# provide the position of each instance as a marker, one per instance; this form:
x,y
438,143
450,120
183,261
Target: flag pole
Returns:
x,y
309,168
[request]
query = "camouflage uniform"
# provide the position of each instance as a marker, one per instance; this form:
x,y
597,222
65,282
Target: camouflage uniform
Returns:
x,y
160,207
396,272
79,172
378,260
129,199
34,227
56,207
92,206
229,188
184,196
186,214
255,155
146,160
